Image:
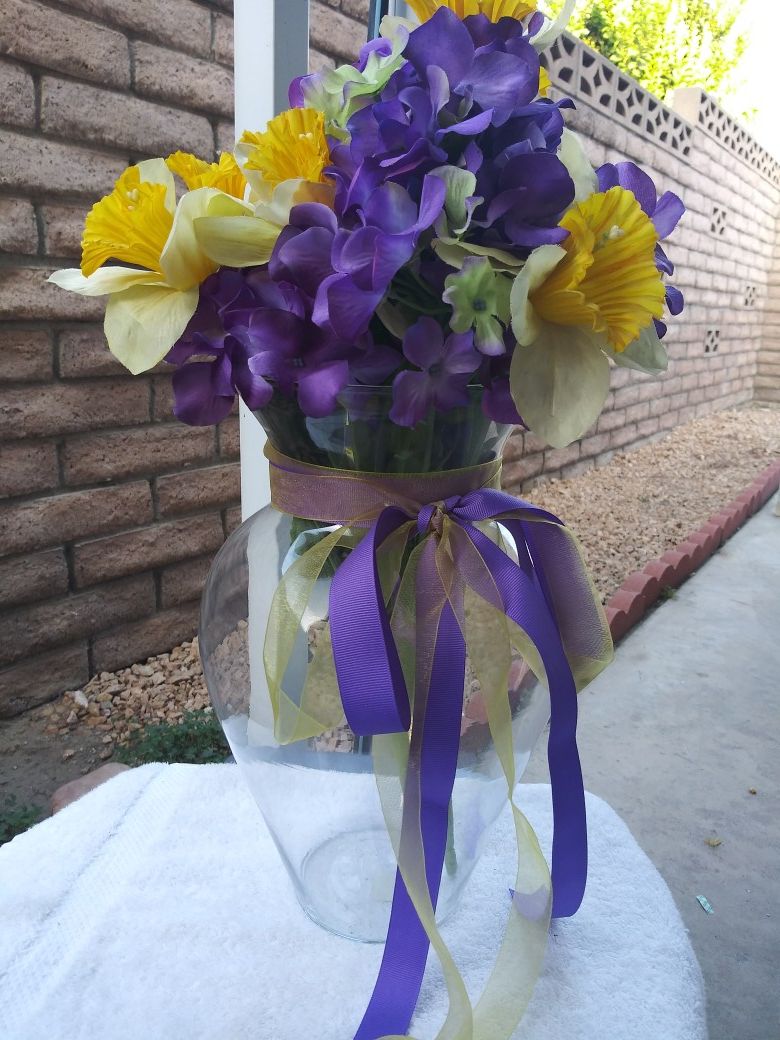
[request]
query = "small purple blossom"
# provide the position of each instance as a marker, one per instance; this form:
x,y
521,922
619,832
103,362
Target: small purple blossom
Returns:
x,y
445,367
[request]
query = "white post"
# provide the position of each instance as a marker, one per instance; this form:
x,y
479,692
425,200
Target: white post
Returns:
x,y
271,47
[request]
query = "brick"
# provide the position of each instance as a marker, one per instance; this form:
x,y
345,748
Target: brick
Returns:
x,y
24,579
18,230
73,515
232,519
84,352
213,486
335,33
50,38
74,110
554,458
62,230
26,354
229,438
516,473
319,62
68,793
44,625
183,582
154,546
26,468
25,292
226,137
356,9
60,408
184,81
141,639
41,678
17,96
594,445
223,39
118,454
162,394
183,24
34,165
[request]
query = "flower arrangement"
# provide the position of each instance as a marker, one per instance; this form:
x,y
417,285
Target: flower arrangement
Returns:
x,y
421,219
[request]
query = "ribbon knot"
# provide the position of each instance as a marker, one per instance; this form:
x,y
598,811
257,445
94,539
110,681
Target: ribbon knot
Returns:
x,y
430,519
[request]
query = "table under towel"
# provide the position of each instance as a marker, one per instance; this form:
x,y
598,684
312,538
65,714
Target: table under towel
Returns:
x,y
157,907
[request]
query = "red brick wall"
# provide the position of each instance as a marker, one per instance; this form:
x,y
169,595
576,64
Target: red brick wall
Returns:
x,y
110,510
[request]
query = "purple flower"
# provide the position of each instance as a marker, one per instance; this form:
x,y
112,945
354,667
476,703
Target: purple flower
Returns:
x,y
445,367
254,336
346,271
665,213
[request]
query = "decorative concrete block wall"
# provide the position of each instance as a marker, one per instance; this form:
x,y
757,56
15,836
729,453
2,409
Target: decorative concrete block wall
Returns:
x,y
110,511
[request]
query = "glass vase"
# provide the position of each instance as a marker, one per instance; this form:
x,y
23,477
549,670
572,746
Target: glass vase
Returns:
x,y
319,796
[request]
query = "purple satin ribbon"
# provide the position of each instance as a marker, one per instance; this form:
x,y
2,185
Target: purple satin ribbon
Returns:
x,y
376,701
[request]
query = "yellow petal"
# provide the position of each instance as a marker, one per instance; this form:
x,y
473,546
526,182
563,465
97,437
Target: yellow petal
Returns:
x,y
131,224
183,262
293,145
155,171
104,281
144,322
494,9
197,173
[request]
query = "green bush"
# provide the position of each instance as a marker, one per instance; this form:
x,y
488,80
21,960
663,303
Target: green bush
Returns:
x,y
198,738
16,819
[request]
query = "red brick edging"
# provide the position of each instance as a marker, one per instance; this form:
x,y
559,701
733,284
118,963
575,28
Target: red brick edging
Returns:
x,y
641,589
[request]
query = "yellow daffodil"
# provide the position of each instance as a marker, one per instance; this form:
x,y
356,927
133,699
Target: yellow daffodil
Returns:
x,y
494,9
140,223
572,305
284,166
604,277
224,175
292,147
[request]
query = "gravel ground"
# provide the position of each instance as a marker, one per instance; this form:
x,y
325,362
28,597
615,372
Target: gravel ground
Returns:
x,y
646,501
626,513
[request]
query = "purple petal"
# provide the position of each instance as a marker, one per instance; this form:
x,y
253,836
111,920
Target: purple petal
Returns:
x,y
306,258
460,357
424,343
607,177
375,365
662,261
450,391
443,41
318,388
637,181
675,300
468,127
195,400
434,193
668,213
502,81
412,397
660,327
391,208
498,405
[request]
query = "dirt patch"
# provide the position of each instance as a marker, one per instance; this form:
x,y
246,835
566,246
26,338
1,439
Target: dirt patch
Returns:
x,y
625,514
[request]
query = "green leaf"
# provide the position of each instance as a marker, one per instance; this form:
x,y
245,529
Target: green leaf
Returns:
x,y
461,185
646,354
559,383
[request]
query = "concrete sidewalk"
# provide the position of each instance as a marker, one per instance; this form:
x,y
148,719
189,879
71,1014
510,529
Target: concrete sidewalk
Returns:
x,y
674,735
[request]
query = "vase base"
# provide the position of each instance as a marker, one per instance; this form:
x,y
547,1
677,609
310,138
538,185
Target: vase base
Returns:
x,y
347,884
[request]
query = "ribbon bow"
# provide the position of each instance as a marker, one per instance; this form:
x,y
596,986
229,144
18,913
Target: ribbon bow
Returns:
x,y
482,571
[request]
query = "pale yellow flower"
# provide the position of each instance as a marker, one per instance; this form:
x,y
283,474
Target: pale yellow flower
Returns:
x,y
140,223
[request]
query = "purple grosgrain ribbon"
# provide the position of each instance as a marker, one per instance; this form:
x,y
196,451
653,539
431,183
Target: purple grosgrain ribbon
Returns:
x,y
372,686
531,592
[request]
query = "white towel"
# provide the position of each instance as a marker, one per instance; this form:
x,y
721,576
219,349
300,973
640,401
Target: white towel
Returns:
x,y
156,907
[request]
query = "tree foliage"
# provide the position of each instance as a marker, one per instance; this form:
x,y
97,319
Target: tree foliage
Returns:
x,y
666,44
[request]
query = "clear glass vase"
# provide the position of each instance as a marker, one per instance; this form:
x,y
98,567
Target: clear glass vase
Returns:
x,y
319,796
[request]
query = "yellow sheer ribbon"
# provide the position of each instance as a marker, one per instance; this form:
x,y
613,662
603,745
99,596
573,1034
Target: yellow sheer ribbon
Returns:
x,y
490,639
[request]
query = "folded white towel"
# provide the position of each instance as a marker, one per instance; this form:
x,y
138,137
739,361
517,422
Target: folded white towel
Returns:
x,y
156,907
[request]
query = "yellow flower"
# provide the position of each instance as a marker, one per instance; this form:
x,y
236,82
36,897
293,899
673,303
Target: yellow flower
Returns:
x,y
544,82
131,224
494,9
606,280
197,173
292,147
140,223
